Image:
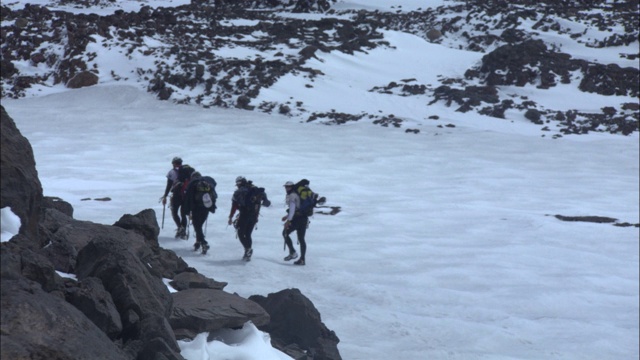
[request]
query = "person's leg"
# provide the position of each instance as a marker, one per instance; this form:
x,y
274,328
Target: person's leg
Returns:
x,y
286,233
175,207
199,218
183,215
301,230
198,221
242,230
248,240
303,244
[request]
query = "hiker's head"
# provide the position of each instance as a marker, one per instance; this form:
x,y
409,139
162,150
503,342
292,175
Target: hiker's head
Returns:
x,y
288,186
196,175
240,180
176,161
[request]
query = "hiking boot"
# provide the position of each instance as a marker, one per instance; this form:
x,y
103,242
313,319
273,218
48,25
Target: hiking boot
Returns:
x,y
205,248
196,246
181,233
247,255
299,262
291,256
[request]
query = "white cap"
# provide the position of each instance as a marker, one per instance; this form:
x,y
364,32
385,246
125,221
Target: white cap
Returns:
x,y
289,183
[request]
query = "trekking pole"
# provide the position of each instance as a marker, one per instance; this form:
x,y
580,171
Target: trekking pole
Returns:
x,y
188,226
205,226
164,208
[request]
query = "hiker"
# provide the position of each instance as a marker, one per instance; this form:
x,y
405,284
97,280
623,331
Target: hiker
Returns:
x,y
198,202
297,221
175,186
247,199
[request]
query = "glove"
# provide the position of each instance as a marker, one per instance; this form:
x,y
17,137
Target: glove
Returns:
x,y
163,200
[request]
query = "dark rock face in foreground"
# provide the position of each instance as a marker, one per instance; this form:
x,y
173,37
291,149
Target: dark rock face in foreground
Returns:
x,y
19,183
117,305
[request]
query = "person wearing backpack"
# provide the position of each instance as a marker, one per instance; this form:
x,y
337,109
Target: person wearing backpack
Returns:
x,y
247,199
295,220
176,185
198,203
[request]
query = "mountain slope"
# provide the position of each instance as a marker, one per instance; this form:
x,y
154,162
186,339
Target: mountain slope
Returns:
x,y
504,58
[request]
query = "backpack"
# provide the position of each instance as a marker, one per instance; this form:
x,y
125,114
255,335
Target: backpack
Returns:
x,y
308,199
206,193
252,199
184,176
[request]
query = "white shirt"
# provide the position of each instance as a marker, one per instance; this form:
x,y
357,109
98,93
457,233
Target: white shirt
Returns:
x,y
293,202
173,175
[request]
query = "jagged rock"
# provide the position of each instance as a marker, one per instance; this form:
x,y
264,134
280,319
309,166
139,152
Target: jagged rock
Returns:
x,y
136,293
52,202
39,269
39,325
158,340
90,297
295,320
20,188
203,310
69,237
143,223
190,280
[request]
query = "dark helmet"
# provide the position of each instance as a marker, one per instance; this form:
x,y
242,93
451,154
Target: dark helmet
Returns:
x,y
177,160
240,180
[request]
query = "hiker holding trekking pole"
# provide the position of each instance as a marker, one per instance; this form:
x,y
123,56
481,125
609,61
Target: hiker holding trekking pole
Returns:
x,y
177,180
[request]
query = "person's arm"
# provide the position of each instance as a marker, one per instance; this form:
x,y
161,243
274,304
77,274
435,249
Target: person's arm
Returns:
x,y
166,191
291,211
168,187
234,207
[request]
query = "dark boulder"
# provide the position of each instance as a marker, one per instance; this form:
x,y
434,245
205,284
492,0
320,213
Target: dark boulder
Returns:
x,y
52,202
204,310
90,297
82,79
136,292
192,280
296,321
39,325
143,223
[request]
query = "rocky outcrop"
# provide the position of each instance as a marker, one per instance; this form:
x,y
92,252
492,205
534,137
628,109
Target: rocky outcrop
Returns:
x,y
39,325
296,324
204,310
19,184
113,303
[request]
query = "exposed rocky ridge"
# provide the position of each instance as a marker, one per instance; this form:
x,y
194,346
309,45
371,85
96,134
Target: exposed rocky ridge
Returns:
x,y
190,35
117,305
